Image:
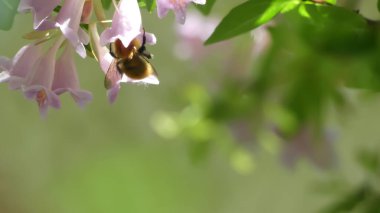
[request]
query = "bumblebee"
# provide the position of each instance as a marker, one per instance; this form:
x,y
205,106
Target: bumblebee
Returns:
x,y
131,61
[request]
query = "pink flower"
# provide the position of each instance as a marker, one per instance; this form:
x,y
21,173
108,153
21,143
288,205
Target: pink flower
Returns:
x,y
39,82
178,6
126,25
41,9
306,143
105,60
261,40
16,70
66,78
68,21
87,12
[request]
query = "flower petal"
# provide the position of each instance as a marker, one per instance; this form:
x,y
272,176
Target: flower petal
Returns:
x,y
44,97
65,71
5,63
4,76
66,78
41,9
199,1
68,21
81,97
101,52
152,79
112,93
126,24
178,6
25,59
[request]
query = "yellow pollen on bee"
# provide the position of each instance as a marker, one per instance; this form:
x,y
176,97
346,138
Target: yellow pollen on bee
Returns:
x,y
41,97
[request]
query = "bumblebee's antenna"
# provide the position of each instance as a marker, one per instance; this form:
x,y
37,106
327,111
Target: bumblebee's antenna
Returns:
x,y
142,50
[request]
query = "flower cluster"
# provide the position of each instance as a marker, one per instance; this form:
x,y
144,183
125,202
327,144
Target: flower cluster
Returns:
x,y
45,68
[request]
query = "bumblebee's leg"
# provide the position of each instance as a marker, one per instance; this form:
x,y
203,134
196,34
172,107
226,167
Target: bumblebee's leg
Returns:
x,y
119,65
111,52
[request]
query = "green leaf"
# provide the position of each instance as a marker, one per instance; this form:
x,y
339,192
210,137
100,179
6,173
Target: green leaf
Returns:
x,y
8,10
106,4
378,5
248,16
336,30
348,202
369,160
142,3
205,9
331,1
150,5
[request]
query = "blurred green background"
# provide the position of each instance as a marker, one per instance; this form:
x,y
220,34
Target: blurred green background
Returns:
x,y
156,149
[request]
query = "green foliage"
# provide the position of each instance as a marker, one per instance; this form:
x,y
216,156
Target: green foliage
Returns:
x,y
150,5
370,161
351,34
247,16
350,201
8,10
106,4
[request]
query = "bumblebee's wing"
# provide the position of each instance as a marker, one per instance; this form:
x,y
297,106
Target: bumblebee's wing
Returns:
x,y
150,67
112,76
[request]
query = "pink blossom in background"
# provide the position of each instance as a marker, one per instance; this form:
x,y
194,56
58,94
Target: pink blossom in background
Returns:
x,y
304,144
261,40
192,35
178,6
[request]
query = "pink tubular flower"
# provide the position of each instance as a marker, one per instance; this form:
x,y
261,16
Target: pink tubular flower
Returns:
x,y
41,9
178,6
126,25
105,60
68,21
16,70
38,84
66,79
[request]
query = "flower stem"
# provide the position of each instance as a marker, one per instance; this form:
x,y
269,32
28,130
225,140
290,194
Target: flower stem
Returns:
x,y
99,12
